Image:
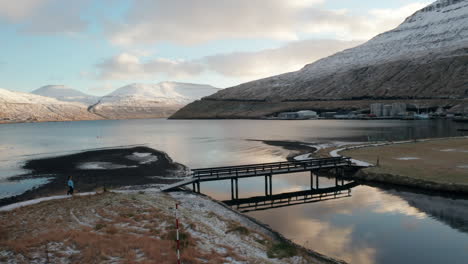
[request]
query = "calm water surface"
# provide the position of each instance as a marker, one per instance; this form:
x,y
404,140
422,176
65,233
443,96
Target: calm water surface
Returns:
x,y
372,225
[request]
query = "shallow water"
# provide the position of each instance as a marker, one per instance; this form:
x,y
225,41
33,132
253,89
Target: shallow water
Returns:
x,y
371,226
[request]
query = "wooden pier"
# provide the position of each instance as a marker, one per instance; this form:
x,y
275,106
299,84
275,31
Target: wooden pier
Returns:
x,y
266,170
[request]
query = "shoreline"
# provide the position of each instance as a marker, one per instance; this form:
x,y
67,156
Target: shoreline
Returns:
x,y
42,167
98,169
246,232
374,174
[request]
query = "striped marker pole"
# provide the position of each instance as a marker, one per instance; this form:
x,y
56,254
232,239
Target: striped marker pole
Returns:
x,y
177,233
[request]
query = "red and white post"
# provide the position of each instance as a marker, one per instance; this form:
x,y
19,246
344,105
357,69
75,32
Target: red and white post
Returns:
x,y
177,233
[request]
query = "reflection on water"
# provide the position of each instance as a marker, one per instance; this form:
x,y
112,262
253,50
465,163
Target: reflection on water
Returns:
x,y
370,226
313,195
374,226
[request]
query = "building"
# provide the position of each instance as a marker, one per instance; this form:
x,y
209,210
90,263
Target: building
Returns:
x,y
398,109
307,114
376,109
393,110
387,111
288,115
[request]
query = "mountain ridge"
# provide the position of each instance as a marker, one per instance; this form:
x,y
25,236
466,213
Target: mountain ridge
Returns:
x,y
424,57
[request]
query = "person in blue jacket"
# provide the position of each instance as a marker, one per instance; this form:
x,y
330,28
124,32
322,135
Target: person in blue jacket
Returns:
x,y
70,186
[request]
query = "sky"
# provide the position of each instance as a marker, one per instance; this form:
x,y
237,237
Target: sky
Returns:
x,y
97,46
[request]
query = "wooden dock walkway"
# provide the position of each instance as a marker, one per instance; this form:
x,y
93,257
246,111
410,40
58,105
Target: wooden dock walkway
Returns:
x,y
267,170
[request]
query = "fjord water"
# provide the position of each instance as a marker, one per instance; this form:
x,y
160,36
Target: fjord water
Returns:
x,y
373,225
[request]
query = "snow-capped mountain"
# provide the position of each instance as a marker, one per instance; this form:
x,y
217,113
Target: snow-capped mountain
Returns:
x,y
165,93
150,100
26,107
64,93
424,57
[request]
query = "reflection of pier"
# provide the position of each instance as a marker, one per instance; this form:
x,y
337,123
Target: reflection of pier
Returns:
x,y
258,203
267,170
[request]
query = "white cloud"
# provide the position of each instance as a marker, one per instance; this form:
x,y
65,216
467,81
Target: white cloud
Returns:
x,y
199,21
290,57
45,16
18,10
128,66
243,65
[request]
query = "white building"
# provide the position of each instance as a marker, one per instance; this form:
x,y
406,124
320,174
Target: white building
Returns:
x,y
307,114
398,109
376,109
288,115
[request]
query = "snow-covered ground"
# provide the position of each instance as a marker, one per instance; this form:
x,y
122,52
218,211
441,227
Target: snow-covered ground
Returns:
x,y
408,158
137,225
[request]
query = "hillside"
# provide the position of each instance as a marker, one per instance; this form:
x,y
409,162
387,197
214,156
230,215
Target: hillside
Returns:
x,y
24,107
66,94
150,100
424,58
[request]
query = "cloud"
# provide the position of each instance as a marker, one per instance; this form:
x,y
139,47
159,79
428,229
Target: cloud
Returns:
x,y
45,16
200,21
246,65
128,66
15,11
290,57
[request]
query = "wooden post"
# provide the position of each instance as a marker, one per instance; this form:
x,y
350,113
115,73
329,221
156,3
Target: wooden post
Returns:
x,y
237,189
266,185
198,186
271,188
232,189
311,180
317,181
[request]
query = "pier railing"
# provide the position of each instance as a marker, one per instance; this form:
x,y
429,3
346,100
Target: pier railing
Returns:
x,y
270,168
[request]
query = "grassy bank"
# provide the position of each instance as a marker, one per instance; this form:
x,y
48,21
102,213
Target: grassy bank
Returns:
x,y
139,227
433,164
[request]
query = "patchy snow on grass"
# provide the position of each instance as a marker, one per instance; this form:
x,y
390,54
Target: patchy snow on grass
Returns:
x,y
39,200
463,166
214,220
303,157
98,165
454,150
408,158
142,158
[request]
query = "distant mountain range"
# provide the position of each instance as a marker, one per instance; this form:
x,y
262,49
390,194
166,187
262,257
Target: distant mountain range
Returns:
x,y
424,60
61,103
149,100
66,94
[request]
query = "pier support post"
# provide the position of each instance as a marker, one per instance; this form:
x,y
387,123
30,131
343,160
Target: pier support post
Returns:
x,y
271,188
198,186
266,185
237,188
232,189
311,180
316,181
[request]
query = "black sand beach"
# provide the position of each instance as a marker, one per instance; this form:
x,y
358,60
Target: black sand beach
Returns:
x,y
97,169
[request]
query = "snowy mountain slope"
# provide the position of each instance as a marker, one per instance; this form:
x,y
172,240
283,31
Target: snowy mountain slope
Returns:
x,y
424,57
164,93
150,100
63,93
26,107
441,28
